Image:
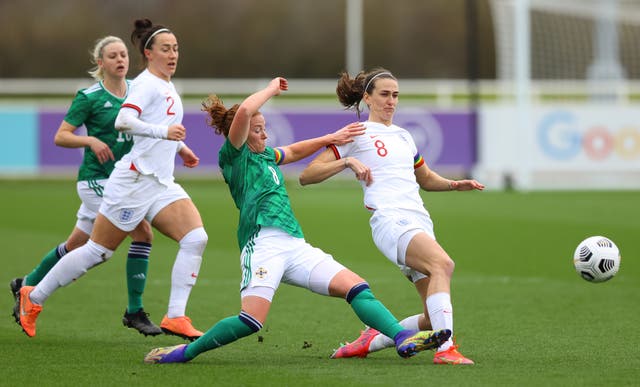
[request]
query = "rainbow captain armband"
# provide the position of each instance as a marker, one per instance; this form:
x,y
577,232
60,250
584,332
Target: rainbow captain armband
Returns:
x,y
279,155
417,161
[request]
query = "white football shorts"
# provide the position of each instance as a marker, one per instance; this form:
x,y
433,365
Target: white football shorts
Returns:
x,y
129,197
393,229
273,256
90,193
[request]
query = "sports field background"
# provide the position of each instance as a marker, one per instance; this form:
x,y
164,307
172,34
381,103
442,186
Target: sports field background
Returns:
x,y
521,311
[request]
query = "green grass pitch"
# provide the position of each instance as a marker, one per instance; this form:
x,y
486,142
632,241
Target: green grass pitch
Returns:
x,y
521,311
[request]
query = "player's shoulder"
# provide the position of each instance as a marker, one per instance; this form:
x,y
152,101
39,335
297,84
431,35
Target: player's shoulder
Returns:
x,y
144,77
146,83
93,89
272,153
227,149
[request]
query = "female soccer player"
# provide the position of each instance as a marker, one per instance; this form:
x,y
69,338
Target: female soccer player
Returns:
x,y
96,107
392,171
141,186
269,236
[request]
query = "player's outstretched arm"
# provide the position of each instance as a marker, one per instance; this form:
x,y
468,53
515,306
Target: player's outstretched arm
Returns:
x,y
429,180
325,165
306,148
239,130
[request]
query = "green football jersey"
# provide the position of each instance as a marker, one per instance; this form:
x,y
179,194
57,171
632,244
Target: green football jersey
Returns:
x,y
257,187
97,109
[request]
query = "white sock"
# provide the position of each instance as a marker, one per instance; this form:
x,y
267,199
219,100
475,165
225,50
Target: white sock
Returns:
x,y
441,315
69,268
185,271
381,341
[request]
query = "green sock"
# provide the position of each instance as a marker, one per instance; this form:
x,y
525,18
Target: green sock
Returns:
x,y
224,332
45,265
374,314
137,267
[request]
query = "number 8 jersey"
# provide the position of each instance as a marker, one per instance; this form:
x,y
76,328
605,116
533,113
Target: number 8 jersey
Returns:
x,y
392,156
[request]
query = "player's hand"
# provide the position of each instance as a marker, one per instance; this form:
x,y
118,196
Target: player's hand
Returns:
x,y
346,134
189,159
466,185
278,85
101,150
361,171
176,132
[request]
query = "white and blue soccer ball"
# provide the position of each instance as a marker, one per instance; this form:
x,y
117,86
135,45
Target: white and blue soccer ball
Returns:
x,y
597,259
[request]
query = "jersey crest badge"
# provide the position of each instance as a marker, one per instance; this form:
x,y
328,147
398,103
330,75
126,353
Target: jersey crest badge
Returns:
x,y
261,272
126,214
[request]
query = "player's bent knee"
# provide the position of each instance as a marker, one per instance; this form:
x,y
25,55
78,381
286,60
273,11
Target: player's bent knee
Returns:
x,y
195,241
98,253
448,266
79,262
444,266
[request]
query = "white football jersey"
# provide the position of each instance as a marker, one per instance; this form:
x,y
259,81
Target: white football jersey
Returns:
x,y
391,154
157,102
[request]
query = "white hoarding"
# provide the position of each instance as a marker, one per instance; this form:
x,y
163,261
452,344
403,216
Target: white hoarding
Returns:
x,y
563,147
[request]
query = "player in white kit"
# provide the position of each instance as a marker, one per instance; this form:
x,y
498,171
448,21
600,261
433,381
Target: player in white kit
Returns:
x,y
141,187
391,170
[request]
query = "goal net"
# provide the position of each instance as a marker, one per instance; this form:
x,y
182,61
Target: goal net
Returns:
x,y
571,39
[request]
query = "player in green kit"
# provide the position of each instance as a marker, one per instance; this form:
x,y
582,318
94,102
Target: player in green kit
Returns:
x,y
96,107
273,248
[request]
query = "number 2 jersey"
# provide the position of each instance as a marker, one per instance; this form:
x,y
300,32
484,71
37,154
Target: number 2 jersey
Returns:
x,y
96,108
392,156
157,102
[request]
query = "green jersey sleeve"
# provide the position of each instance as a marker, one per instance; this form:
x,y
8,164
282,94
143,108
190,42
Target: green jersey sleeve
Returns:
x,y
79,111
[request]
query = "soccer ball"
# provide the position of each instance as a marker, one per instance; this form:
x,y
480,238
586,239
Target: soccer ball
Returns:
x,y
597,259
